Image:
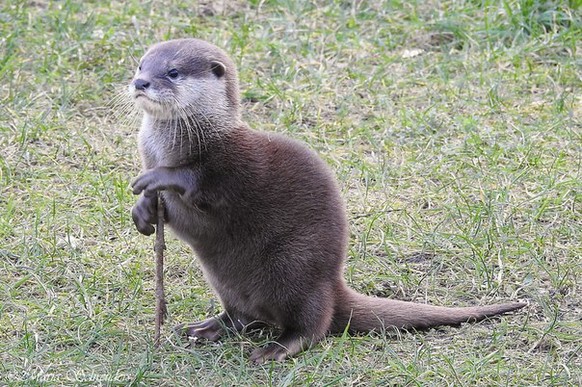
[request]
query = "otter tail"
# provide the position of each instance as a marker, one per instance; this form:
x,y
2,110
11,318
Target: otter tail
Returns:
x,y
363,313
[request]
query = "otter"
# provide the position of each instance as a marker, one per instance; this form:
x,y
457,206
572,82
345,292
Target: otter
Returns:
x,y
262,212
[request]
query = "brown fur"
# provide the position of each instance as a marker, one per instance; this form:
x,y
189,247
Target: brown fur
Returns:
x,y
262,212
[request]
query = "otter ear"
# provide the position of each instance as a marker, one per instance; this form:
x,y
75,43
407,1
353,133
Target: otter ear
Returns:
x,y
217,68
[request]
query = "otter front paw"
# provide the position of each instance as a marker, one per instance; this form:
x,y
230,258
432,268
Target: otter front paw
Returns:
x,y
145,213
182,180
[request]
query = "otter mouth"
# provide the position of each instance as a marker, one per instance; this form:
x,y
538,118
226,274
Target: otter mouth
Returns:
x,y
149,105
142,98
140,94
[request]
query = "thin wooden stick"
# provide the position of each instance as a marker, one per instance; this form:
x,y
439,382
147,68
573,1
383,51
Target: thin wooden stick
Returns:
x,y
159,247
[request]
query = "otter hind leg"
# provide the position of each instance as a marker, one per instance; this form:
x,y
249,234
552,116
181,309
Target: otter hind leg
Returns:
x,y
304,328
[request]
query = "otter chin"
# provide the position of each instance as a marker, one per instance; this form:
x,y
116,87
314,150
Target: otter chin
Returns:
x,y
262,212
150,106
150,102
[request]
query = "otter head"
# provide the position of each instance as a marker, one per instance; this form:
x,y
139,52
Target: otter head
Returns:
x,y
187,79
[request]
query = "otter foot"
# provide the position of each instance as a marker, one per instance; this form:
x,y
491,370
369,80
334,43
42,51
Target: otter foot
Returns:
x,y
210,329
289,344
274,351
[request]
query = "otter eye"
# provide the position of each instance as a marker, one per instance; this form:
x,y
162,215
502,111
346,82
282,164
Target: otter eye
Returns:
x,y
173,73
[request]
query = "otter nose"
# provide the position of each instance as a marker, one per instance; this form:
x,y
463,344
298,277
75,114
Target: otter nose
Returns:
x,y
140,84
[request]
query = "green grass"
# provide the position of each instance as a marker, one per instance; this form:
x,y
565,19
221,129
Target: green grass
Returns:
x,y
454,128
